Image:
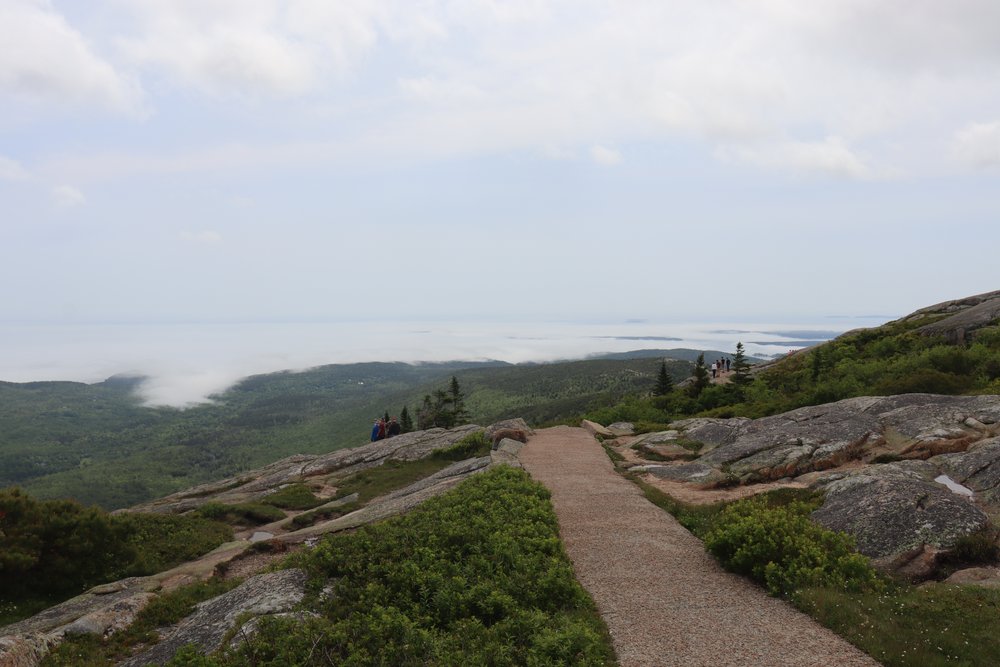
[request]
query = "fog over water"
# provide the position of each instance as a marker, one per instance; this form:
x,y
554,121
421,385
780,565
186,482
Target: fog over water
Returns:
x,y
186,363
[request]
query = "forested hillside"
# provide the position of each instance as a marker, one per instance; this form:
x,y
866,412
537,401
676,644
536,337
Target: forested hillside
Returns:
x,y
99,444
951,348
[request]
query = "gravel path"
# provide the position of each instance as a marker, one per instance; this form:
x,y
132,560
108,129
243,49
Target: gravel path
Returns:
x,y
665,601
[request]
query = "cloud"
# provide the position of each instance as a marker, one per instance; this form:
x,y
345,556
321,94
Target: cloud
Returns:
x,y
43,58
11,170
255,48
834,88
177,388
978,144
66,196
605,156
831,156
204,237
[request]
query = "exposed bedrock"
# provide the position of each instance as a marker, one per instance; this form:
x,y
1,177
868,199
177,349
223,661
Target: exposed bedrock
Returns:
x,y
895,448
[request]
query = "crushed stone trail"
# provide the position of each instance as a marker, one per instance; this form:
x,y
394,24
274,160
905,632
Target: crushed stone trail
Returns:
x,y
664,599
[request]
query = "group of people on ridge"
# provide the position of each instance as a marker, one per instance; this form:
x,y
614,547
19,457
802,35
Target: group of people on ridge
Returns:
x,y
720,366
383,429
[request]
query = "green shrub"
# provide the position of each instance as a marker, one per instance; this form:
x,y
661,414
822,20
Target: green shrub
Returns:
x,y
474,577
977,548
162,541
57,547
783,549
924,381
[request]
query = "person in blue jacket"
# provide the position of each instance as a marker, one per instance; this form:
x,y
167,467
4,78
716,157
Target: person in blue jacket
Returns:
x,y
375,430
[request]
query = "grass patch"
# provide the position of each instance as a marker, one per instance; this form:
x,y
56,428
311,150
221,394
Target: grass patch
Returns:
x,y
390,476
931,626
612,454
386,478
293,497
698,519
162,541
313,517
471,446
477,576
242,514
169,608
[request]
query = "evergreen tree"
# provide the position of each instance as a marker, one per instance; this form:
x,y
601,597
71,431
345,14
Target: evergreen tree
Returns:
x,y
57,546
741,367
405,421
817,363
426,414
458,412
386,417
664,385
700,377
444,409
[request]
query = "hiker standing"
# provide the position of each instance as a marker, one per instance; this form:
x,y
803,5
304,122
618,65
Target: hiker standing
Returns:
x,y
375,431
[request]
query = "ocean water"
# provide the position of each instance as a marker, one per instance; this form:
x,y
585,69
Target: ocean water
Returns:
x,y
187,362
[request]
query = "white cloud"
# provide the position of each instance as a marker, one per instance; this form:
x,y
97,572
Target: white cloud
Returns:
x,y
181,389
831,156
255,48
605,156
43,58
66,196
11,170
978,144
754,80
204,237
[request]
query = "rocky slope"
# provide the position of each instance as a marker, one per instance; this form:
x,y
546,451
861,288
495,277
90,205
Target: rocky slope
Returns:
x,y
107,609
906,475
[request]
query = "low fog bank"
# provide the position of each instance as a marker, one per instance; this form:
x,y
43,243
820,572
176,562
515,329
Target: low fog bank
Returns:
x,y
186,364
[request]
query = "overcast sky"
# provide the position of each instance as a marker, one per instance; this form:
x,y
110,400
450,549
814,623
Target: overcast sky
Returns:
x,y
191,160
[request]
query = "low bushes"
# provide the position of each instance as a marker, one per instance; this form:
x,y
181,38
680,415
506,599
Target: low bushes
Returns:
x,y
51,550
477,576
784,550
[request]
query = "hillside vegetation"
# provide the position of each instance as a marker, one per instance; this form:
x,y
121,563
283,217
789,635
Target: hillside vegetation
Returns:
x,y
52,550
477,576
99,444
900,357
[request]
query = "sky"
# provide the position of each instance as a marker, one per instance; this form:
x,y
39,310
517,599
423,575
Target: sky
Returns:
x,y
311,160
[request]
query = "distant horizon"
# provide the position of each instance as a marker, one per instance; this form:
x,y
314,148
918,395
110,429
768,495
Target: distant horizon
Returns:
x,y
186,363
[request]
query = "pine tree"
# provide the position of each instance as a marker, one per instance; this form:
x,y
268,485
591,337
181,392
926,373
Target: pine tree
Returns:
x,y
663,383
458,412
444,409
700,377
741,368
386,417
405,421
817,363
426,414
